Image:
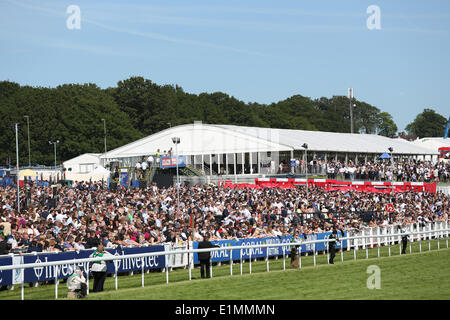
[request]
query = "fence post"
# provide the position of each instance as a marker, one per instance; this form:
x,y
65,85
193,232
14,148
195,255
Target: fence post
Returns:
x,y
446,227
366,245
412,237
115,273
314,253
56,281
371,239
22,291
210,265
142,271
327,247
231,262
241,260
429,237
354,249
378,241
267,257
87,281
167,267
300,257
284,258
438,233
190,265
420,239
250,262
389,242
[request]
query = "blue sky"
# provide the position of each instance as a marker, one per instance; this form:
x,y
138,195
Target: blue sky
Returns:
x,y
257,51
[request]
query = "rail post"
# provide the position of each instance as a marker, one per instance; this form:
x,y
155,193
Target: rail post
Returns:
x,y
231,262
250,262
142,271
300,257
241,260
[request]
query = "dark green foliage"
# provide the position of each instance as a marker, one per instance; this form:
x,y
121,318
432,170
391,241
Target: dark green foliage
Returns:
x,y
427,124
137,107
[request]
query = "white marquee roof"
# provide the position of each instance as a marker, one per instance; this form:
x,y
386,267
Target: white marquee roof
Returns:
x,y
334,142
197,139
432,143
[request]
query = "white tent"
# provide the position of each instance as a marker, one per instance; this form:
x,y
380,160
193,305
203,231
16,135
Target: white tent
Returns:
x,y
101,170
83,163
204,139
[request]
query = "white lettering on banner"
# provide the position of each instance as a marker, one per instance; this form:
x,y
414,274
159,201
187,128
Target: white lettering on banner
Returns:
x,y
254,250
311,246
38,270
220,253
117,263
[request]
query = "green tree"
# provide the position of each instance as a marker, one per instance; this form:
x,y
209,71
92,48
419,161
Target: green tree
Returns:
x,y
427,124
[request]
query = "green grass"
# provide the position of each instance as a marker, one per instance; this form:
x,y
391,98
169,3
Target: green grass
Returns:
x,y
412,276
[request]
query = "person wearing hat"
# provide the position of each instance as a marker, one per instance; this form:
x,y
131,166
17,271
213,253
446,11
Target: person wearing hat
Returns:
x,y
76,283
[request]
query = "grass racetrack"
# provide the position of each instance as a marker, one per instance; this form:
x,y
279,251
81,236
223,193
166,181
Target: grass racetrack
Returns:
x,y
416,275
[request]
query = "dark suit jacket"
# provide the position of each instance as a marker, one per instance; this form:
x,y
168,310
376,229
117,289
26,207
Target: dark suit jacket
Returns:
x,y
204,245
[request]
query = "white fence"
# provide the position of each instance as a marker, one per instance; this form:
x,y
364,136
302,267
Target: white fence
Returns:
x,y
357,242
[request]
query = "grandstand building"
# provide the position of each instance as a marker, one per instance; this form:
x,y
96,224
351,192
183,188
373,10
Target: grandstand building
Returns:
x,y
228,150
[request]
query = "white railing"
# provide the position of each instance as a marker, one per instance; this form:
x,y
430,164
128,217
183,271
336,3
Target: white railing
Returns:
x,y
421,235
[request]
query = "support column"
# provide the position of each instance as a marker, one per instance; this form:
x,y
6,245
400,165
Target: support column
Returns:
x,y
235,164
226,163
203,163
259,162
243,163
292,157
210,164
251,162
218,164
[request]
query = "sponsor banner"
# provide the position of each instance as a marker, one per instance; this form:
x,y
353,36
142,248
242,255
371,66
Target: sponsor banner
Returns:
x,y
171,162
6,276
224,255
46,273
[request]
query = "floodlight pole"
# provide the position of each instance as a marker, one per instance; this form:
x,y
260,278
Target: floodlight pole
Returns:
x,y
29,149
350,96
17,172
305,146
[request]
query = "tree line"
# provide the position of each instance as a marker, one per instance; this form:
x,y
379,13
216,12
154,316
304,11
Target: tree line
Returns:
x,y
137,107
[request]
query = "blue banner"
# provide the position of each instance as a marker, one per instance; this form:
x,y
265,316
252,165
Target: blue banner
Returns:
x,y
224,255
39,274
123,179
5,275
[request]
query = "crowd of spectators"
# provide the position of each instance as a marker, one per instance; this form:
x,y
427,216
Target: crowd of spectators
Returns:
x,y
86,214
380,170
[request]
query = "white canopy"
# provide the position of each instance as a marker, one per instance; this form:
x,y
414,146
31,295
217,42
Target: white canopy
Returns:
x,y
100,170
198,138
